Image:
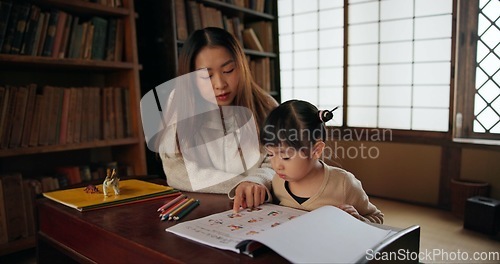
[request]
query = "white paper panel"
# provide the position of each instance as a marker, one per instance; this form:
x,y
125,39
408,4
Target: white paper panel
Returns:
x,y
395,96
395,74
364,12
433,27
433,7
363,34
305,78
330,38
331,57
363,54
433,50
362,116
305,40
305,59
331,18
431,96
432,73
396,30
308,21
430,119
300,6
394,9
394,117
362,75
331,76
362,95
396,52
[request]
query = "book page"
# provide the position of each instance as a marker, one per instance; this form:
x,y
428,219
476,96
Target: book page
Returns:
x,y
225,230
325,235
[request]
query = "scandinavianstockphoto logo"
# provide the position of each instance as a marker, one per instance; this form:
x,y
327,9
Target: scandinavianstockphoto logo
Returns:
x,y
335,139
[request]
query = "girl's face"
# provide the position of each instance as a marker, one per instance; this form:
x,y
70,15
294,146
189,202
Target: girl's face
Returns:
x,y
222,72
290,164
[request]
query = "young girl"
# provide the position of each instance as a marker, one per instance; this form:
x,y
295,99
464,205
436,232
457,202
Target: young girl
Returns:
x,y
219,64
294,138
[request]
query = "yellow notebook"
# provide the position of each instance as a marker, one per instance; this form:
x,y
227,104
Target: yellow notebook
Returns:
x,y
130,191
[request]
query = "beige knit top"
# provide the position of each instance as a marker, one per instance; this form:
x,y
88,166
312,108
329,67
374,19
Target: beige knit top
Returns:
x,y
339,187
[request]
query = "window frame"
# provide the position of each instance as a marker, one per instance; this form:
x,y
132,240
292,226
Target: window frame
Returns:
x,y
468,13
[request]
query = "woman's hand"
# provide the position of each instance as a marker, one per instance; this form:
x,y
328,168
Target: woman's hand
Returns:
x,y
352,211
248,195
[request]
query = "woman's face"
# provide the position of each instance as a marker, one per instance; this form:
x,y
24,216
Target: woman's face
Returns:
x,y
222,73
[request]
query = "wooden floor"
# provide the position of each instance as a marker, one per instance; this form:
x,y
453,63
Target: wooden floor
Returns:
x,y
440,231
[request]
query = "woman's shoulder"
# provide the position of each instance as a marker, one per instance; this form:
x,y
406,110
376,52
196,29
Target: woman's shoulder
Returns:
x,y
271,101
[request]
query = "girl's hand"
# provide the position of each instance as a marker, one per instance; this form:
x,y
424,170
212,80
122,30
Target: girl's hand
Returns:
x,y
248,195
351,210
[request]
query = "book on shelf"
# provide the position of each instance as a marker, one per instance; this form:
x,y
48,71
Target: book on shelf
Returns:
x,y
99,38
4,233
180,20
264,33
51,32
30,31
15,27
193,15
324,235
40,116
131,191
13,202
5,11
30,113
251,41
21,100
111,39
59,32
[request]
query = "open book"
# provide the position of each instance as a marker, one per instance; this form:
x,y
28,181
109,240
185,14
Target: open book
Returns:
x,y
325,235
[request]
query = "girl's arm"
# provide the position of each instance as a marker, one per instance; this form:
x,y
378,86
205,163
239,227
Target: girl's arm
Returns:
x,y
358,200
243,193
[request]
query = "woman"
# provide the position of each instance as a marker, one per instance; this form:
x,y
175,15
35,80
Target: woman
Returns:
x,y
208,147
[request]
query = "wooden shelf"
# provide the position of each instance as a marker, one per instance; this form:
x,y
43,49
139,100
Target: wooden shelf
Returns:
x,y
107,91
83,7
230,9
74,64
67,147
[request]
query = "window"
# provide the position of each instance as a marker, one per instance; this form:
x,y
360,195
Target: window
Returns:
x,y
311,52
399,62
478,80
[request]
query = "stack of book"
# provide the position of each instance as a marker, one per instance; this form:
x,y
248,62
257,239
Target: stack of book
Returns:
x,y
92,197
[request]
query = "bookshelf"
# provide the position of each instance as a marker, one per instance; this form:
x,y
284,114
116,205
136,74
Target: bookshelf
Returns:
x,y
105,86
159,44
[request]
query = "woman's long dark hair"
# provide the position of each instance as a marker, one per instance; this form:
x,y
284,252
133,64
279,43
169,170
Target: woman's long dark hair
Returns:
x,y
249,94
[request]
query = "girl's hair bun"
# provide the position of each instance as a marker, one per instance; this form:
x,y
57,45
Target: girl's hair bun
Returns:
x,y
325,115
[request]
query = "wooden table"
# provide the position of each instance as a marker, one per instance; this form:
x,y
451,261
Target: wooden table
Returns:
x,y
135,234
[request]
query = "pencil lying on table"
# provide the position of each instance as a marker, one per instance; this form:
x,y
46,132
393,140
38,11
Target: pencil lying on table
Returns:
x,y
180,208
187,210
167,205
167,212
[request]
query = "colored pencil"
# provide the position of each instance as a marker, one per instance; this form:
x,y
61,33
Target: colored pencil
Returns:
x,y
173,207
187,210
167,205
167,215
179,208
